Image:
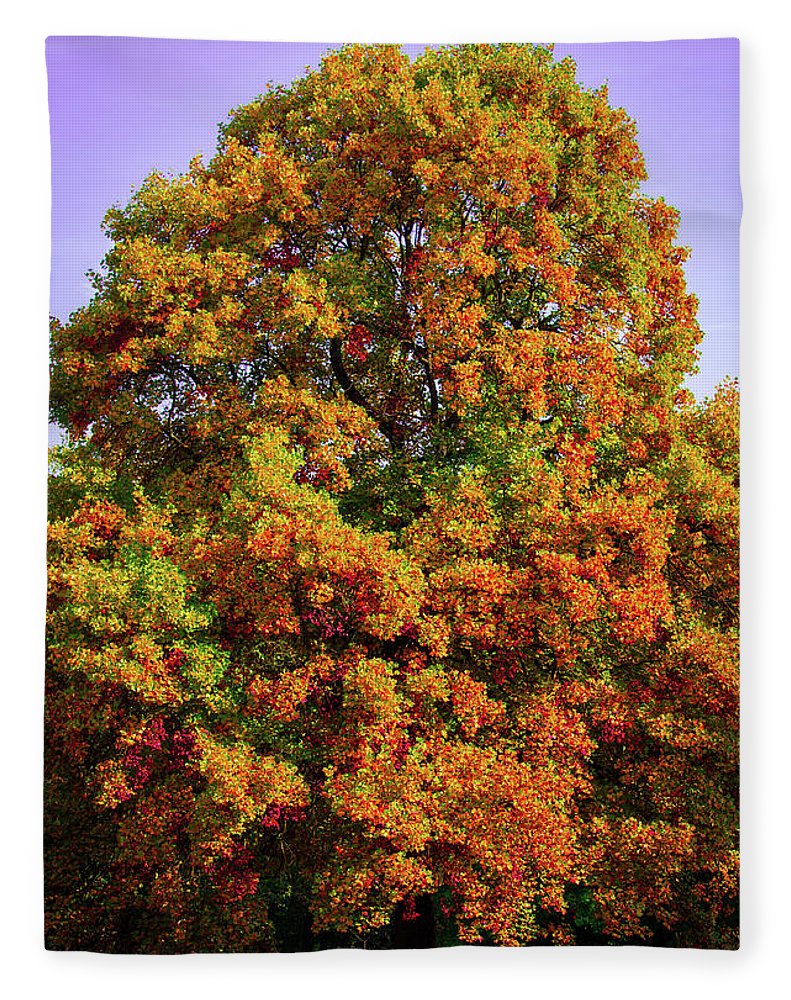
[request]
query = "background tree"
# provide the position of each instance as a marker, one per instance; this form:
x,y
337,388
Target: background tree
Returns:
x,y
393,572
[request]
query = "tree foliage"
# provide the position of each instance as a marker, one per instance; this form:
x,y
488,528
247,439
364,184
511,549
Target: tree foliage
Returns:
x,y
393,573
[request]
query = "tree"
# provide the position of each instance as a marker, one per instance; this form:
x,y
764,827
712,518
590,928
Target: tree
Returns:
x,y
394,574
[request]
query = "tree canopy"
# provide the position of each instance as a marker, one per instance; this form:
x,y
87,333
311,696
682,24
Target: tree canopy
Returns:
x,y
393,571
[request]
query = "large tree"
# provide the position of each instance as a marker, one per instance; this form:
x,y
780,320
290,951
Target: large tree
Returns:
x,y
393,571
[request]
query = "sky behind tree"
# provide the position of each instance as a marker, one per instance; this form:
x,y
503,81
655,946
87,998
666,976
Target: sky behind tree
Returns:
x,y
122,107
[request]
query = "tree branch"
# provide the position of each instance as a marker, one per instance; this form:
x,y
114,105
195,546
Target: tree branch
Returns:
x,y
353,394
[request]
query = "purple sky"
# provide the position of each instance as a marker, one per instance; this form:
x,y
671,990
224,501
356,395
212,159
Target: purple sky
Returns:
x,y
121,107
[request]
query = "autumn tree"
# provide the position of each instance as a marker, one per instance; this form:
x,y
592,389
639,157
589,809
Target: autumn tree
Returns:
x,y
393,572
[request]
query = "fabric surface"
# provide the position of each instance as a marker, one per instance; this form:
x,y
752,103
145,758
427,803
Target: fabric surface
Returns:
x,y
394,516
